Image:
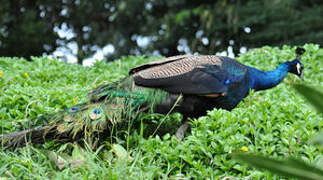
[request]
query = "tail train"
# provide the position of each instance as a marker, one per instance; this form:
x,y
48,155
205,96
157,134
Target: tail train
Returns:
x,y
108,105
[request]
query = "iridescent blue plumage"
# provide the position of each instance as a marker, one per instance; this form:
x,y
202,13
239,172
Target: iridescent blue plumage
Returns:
x,y
255,79
260,80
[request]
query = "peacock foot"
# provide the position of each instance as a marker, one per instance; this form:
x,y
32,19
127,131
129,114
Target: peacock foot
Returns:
x,y
180,133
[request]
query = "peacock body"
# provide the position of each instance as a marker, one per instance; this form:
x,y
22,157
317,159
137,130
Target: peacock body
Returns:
x,y
187,84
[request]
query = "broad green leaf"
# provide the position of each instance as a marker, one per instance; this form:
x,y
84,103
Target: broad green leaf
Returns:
x,y
56,160
318,162
318,139
289,167
121,152
312,95
181,15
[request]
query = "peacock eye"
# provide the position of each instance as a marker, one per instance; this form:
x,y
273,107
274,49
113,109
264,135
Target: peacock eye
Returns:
x,y
73,109
97,111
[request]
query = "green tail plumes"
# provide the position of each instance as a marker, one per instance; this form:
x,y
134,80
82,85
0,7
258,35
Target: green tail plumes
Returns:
x,y
109,104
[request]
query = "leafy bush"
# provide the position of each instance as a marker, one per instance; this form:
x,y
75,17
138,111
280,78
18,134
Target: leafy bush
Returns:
x,y
293,167
276,123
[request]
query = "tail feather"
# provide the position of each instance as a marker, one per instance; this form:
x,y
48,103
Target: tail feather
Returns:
x,y
109,104
67,125
34,136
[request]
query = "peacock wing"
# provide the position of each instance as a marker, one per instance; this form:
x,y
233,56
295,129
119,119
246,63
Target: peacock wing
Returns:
x,y
158,63
196,75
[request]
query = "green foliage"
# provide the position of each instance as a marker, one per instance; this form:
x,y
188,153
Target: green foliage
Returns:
x,y
276,122
294,167
290,167
23,32
172,27
313,96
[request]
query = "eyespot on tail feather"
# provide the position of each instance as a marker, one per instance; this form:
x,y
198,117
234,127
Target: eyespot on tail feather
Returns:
x,y
96,113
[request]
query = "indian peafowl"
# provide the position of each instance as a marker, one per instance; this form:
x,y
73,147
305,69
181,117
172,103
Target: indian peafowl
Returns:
x,y
187,84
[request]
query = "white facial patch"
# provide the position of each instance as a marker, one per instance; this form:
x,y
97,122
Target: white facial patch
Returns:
x,y
298,66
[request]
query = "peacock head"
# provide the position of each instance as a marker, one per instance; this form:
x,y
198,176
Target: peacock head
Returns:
x,y
295,66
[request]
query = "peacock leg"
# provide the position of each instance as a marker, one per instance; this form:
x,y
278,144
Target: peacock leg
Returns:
x,y
180,133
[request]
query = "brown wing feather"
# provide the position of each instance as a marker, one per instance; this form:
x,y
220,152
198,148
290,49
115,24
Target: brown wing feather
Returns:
x,y
182,74
157,63
174,66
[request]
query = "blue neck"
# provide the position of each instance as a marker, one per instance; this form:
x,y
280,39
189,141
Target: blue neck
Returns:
x,y
261,80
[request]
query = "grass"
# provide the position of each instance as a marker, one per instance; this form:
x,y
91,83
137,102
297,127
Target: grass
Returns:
x,y
276,123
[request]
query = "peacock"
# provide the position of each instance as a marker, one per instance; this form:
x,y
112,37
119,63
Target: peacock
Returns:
x,y
188,84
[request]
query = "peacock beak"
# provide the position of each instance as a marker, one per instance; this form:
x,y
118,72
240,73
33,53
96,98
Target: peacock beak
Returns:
x,y
301,76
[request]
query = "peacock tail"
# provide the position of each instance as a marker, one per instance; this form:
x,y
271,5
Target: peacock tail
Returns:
x,y
109,104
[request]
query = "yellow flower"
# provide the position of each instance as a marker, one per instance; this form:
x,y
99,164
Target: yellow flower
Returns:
x,y
244,148
74,100
94,87
51,59
1,73
26,75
